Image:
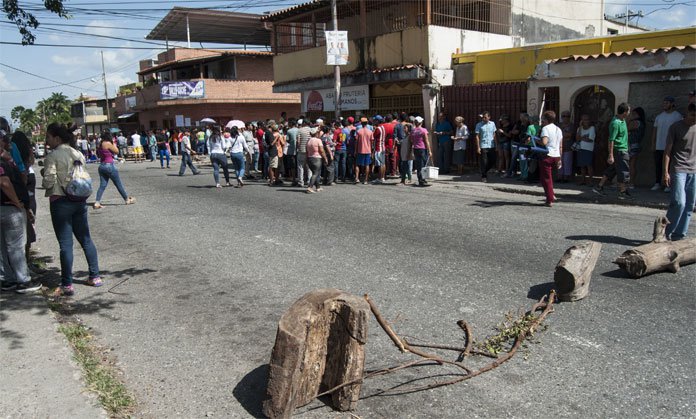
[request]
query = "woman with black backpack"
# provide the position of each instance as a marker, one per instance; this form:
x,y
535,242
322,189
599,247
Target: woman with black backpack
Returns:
x,y
68,214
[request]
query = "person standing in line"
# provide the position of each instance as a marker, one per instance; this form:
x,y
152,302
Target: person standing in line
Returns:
x,y
108,171
552,139
162,148
218,145
329,152
349,134
339,139
249,158
315,157
186,152
585,138
485,144
566,126
84,146
378,152
405,153
303,136
618,154
421,148
390,168
290,159
444,132
461,134
275,152
26,154
137,147
68,217
636,132
519,134
122,143
663,121
238,145
200,141
680,154
152,144
503,140
363,150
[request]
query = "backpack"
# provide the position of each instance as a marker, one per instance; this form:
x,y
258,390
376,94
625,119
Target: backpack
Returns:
x,y
79,186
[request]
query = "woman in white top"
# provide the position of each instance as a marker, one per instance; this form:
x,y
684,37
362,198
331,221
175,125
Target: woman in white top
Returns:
x,y
552,138
218,145
585,140
460,136
238,146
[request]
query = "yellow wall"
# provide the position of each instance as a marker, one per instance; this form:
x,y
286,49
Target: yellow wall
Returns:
x,y
518,64
390,50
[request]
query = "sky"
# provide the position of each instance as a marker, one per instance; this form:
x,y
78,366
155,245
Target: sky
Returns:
x,y
118,28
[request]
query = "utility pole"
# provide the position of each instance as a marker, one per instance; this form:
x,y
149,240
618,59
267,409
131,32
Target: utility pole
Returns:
x,y
630,14
106,93
337,68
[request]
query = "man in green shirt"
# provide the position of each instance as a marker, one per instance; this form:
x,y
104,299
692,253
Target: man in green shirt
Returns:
x,y
618,153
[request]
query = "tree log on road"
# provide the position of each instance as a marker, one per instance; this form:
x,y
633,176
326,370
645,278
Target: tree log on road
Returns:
x,y
319,345
658,255
574,271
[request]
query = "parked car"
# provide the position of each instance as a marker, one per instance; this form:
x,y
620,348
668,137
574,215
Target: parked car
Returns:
x,y
39,150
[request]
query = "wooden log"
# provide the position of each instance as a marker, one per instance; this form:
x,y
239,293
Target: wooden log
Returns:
x,y
574,271
657,257
319,345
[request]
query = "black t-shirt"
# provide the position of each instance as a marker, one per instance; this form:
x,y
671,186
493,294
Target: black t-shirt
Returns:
x,y
161,142
10,170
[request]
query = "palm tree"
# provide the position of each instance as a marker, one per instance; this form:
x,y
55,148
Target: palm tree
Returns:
x,y
55,108
26,118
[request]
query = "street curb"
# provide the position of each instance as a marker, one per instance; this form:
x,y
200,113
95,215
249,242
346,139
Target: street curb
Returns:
x,y
580,198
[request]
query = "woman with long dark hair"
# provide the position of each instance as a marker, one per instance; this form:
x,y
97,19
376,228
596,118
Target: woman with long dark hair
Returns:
x,y
69,217
27,154
218,145
107,170
238,146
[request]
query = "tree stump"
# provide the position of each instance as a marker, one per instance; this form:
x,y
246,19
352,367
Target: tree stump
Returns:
x,y
319,345
658,255
574,271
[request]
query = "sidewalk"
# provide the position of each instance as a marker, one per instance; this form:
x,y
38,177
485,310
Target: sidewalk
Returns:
x,y
565,192
39,377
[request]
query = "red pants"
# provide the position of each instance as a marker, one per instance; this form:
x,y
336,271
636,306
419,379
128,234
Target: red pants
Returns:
x,y
546,176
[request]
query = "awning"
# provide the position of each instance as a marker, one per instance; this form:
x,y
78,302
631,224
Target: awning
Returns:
x,y
126,115
212,26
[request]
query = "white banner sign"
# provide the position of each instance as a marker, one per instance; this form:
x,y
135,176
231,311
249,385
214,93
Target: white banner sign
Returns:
x,y
336,47
187,122
179,120
130,102
353,98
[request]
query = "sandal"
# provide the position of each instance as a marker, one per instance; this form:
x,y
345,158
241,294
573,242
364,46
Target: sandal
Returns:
x,y
130,200
97,205
95,282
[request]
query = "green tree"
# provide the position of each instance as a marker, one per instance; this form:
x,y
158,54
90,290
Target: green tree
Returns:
x,y
55,108
26,118
26,21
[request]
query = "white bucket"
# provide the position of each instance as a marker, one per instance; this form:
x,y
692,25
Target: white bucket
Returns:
x,y
430,172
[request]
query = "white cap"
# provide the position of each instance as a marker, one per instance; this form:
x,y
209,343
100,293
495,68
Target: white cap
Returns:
x,y
319,121
419,119
299,122
313,130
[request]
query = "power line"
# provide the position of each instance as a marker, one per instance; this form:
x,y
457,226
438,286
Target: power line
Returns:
x,y
46,78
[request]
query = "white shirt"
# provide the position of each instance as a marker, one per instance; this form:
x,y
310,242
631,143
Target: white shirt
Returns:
x,y
238,145
589,133
136,140
662,122
218,147
555,136
186,145
462,134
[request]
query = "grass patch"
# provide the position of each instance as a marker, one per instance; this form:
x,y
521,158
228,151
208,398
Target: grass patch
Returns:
x,y
99,375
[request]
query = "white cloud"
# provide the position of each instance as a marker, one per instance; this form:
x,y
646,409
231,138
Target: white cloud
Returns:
x,y
4,83
61,60
100,27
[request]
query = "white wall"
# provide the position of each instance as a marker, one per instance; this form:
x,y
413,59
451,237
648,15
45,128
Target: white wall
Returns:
x,y
574,15
443,42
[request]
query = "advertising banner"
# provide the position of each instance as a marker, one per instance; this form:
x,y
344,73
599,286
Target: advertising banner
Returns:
x,y
170,90
353,98
336,47
131,102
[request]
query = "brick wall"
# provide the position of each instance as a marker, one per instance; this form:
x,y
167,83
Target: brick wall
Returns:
x,y
221,112
254,68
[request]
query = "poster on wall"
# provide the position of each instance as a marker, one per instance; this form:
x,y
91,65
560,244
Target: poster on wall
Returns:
x,y
187,122
179,120
170,90
131,101
353,98
336,47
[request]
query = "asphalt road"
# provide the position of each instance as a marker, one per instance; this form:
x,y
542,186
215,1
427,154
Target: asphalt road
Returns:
x,y
208,273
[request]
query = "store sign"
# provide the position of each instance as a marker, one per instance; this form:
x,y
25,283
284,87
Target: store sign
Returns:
x,y
170,90
131,101
353,98
336,47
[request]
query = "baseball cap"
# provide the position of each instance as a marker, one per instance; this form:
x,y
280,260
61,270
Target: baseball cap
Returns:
x,y
351,119
319,121
669,99
419,119
379,118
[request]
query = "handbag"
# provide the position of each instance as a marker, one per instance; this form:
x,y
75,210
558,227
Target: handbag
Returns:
x,y
79,183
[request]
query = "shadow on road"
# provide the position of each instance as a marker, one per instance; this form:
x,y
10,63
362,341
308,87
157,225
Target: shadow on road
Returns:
x,y
621,241
251,390
617,273
537,291
489,204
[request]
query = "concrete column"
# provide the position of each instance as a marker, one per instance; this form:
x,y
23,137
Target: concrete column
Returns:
x,y
431,95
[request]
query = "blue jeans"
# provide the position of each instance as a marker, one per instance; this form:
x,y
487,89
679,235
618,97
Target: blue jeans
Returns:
x,y
186,161
444,156
162,155
71,218
13,238
108,171
239,164
404,168
255,161
340,164
419,161
266,163
681,205
220,160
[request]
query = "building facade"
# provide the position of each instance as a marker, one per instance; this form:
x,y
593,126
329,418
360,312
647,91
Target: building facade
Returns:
x,y
184,86
91,116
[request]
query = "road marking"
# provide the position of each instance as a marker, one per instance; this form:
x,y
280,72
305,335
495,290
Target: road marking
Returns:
x,y
269,240
580,341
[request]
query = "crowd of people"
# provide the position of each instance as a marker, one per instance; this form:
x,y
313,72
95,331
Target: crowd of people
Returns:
x,y
314,153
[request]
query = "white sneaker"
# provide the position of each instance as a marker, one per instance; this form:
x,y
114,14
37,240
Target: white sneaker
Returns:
x,y
668,190
655,187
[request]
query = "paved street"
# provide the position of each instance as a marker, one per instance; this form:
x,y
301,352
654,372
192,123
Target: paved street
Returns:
x,y
209,272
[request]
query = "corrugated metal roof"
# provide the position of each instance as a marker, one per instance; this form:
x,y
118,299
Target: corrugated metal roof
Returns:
x,y
293,10
214,54
637,51
358,72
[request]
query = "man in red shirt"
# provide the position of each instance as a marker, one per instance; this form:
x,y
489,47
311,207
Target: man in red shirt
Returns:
x,y
363,149
380,137
260,132
390,157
